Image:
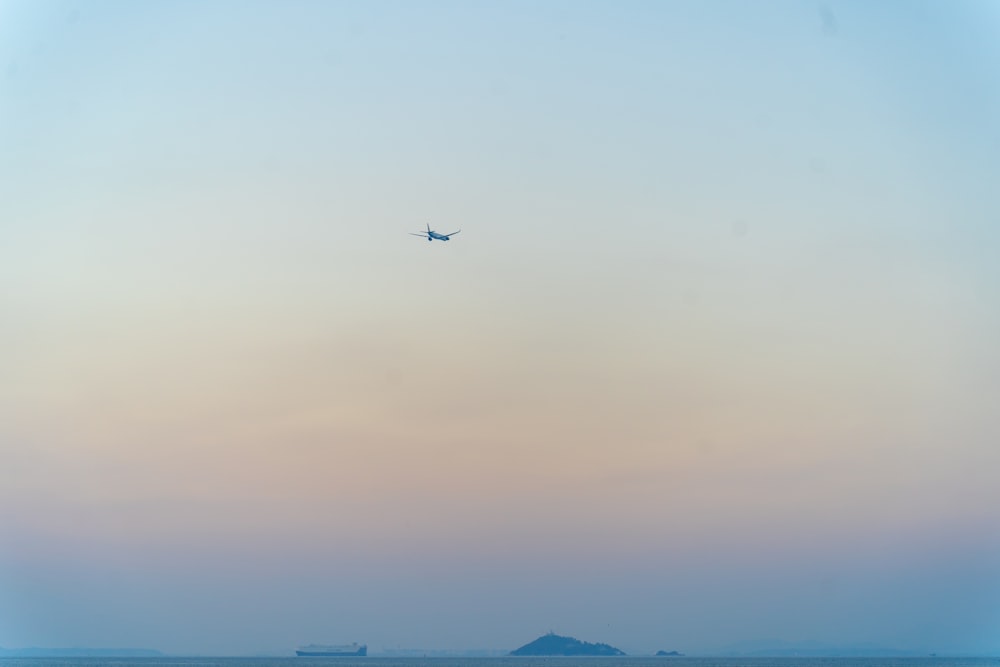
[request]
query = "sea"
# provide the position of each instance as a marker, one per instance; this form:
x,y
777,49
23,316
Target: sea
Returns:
x,y
379,661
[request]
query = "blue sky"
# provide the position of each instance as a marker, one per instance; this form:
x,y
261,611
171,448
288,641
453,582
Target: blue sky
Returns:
x,y
713,359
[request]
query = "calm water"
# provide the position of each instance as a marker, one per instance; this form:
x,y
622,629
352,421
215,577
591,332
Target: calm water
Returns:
x,y
500,662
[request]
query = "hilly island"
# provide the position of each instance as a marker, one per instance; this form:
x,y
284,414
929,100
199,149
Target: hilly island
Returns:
x,y
553,644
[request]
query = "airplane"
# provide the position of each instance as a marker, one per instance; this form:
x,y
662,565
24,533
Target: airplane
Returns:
x,y
431,236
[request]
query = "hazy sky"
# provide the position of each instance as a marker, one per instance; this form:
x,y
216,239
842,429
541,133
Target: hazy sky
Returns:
x,y
714,358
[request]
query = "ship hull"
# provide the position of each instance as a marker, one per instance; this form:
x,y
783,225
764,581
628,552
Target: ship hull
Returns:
x,y
320,653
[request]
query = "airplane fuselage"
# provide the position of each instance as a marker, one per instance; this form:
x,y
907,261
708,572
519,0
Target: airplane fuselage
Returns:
x,y
431,235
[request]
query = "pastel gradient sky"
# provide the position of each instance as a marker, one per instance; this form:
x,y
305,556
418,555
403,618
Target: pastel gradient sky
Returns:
x,y
714,358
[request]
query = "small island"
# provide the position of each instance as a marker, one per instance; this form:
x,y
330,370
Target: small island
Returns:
x,y
669,654
553,644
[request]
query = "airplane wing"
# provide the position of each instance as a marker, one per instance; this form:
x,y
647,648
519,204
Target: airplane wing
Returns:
x,y
421,234
453,233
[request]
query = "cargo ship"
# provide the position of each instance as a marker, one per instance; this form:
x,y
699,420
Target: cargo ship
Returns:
x,y
332,651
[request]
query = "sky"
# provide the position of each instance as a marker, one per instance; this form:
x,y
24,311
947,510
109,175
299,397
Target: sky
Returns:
x,y
714,358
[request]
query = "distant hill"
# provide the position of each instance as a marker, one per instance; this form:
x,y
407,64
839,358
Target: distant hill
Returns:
x,y
40,652
669,654
553,644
